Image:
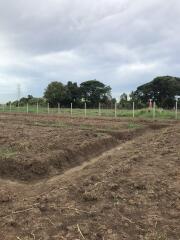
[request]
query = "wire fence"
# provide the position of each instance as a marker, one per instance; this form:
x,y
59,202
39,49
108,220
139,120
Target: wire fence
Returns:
x,y
101,111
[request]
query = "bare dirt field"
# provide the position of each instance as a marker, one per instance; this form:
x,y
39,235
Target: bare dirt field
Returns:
x,y
93,178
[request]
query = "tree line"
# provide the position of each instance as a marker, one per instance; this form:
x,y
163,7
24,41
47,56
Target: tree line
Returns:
x,y
92,92
161,90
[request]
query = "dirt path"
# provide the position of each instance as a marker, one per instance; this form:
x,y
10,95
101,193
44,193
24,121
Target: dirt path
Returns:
x,y
130,192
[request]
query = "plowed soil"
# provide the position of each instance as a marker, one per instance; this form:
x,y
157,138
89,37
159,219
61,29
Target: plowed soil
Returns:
x,y
75,178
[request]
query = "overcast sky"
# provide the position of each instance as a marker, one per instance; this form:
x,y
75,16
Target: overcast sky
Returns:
x,y
122,43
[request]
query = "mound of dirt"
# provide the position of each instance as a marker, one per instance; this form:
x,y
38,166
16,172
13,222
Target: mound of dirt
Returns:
x,y
35,150
31,167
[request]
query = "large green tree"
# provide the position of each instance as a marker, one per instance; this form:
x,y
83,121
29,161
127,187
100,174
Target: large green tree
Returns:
x,y
73,94
162,90
94,92
123,102
55,93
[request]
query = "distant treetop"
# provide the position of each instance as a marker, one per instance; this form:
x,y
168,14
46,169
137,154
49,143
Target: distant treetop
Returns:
x,y
162,90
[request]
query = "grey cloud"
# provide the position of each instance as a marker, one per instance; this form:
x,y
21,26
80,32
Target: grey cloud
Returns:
x,y
122,43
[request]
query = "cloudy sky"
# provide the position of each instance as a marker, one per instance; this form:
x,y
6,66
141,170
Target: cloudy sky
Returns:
x,y
122,43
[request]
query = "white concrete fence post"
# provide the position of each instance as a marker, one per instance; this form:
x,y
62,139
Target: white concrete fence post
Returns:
x,y
48,108
85,113
154,110
58,108
99,109
133,109
115,110
18,106
37,108
176,111
71,110
27,108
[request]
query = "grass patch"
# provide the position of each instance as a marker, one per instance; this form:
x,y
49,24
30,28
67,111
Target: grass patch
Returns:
x,y
50,124
104,112
7,152
133,126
